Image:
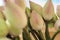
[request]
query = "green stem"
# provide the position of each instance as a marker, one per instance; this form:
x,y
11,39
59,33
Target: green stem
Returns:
x,y
47,35
41,34
26,35
55,34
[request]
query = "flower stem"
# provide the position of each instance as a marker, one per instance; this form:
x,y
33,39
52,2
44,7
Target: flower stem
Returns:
x,y
55,34
41,34
26,35
47,35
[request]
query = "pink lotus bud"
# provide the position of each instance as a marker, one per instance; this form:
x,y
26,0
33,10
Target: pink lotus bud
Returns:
x,y
36,7
16,16
36,21
21,3
48,10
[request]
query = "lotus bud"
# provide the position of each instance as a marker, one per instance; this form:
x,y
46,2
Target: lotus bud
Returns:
x,y
48,10
4,38
16,16
58,10
21,3
3,28
36,7
36,21
57,24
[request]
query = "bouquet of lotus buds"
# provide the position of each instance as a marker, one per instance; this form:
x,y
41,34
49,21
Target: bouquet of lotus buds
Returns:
x,y
17,20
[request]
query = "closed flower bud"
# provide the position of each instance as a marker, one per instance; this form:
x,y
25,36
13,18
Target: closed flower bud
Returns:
x,y
48,10
36,7
15,15
21,3
36,21
57,24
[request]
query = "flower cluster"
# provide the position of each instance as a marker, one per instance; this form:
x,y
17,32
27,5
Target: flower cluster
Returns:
x,y
24,21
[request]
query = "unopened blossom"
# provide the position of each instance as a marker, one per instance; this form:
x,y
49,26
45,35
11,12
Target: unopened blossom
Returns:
x,y
48,10
36,7
16,17
21,3
36,21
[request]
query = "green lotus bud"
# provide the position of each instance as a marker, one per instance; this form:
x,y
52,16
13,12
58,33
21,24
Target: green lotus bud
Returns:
x,y
58,10
36,21
16,16
4,38
21,3
57,24
3,28
48,10
36,7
